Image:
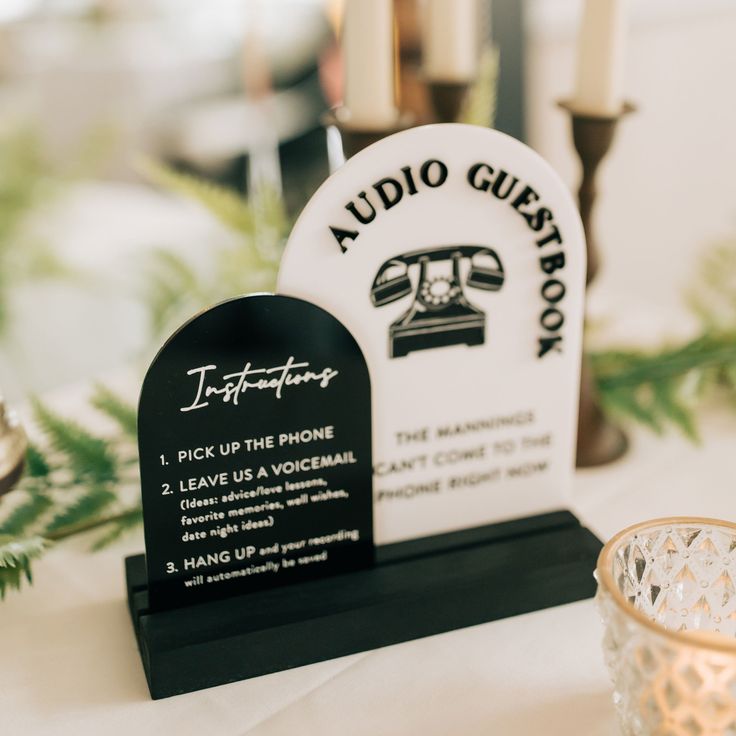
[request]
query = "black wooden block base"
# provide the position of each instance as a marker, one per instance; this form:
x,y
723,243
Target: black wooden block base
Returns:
x,y
417,588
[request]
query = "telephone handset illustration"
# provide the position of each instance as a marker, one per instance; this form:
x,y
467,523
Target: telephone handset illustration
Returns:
x,y
440,315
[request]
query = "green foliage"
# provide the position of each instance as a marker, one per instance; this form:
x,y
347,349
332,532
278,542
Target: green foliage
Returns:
x,y
171,284
123,523
36,465
26,514
662,388
25,183
23,179
480,104
175,288
87,506
72,484
225,204
89,456
120,411
16,556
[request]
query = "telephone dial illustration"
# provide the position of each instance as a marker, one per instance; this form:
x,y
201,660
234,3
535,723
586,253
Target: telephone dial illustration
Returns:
x,y
440,314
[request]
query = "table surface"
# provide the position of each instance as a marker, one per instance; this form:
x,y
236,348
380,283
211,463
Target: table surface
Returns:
x,y
70,664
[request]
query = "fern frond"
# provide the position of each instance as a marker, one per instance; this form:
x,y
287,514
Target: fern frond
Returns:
x,y
114,407
121,525
171,284
225,204
622,368
667,403
16,556
53,503
89,456
36,464
240,271
86,508
626,403
175,289
26,514
658,388
171,268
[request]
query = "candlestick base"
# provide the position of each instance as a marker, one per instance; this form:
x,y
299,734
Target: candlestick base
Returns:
x,y
354,138
447,99
599,441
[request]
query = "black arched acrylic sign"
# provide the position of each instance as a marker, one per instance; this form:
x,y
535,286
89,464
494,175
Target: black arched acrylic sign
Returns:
x,y
255,452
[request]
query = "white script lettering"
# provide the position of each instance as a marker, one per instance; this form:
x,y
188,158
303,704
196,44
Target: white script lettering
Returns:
x,y
235,384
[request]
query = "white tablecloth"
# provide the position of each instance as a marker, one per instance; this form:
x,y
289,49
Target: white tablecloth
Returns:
x,y
69,663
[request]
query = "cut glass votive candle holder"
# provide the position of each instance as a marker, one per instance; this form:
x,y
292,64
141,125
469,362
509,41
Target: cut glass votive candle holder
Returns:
x,y
667,596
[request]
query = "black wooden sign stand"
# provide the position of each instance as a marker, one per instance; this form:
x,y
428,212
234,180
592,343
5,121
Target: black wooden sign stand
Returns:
x,y
417,588
244,573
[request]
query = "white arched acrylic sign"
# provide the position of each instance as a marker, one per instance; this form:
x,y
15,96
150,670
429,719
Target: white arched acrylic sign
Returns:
x,y
455,255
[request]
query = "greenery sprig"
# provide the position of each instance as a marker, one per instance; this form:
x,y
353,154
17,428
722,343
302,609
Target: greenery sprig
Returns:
x,y
28,181
25,183
76,483
664,388
175,288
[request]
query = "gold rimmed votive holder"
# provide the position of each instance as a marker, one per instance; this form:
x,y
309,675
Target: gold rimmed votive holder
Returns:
x,y
667,597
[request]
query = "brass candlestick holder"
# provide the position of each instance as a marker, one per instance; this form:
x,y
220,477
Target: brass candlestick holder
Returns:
x,y
447,99
599,441
355,139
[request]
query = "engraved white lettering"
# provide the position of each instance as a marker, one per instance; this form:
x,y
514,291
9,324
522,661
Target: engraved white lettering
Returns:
x,y
276,378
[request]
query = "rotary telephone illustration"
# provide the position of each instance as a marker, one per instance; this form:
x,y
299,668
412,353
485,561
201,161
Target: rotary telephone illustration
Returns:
x,y
440,315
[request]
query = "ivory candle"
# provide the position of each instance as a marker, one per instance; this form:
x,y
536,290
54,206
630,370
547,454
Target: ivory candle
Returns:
x,y
601,45
368,54
450,43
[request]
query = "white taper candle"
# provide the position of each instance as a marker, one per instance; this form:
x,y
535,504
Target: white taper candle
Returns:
x,y
368,53
601,46
450,40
